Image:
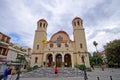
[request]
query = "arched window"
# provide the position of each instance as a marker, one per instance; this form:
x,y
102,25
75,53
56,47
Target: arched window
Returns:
x,y
66,45
59,45
82,59
74,23
37,47
78,22
44,25
36,59
51,45
81,46
40,24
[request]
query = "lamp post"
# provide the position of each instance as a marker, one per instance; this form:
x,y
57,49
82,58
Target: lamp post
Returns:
x,y
83,60
20,58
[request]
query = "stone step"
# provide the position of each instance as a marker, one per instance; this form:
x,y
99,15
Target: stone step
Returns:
x,y
49,72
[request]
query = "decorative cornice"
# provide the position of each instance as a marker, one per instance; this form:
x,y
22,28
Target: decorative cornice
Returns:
x,y
37,53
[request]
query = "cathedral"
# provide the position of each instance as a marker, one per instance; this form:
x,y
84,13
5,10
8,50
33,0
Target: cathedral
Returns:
x,y
60,49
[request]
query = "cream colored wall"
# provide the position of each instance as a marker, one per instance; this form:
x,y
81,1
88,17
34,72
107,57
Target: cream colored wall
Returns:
x,y
39,61
80,38
87,61
39,36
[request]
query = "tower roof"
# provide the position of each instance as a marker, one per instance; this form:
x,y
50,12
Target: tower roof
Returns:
x,y
77,18
42,20
62,31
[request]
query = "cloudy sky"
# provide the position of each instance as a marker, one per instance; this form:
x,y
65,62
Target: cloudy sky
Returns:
x,y
101,18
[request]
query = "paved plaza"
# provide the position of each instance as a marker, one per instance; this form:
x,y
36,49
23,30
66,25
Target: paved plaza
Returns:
x,y
103,75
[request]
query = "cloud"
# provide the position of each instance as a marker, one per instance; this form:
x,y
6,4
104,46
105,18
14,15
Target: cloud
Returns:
x,y
101,19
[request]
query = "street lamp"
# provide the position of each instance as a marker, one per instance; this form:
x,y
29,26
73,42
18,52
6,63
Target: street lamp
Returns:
x,y
19,57
83,60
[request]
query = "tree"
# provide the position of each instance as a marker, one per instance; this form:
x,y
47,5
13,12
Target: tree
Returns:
x,y
21,58
96,59
91,59
95,44
112,50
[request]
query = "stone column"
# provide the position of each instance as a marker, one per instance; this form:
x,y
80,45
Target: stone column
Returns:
x,y
63,57
72,60
44,57
53,57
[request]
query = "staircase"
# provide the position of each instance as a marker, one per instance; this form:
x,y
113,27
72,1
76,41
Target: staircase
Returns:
x,y
49,72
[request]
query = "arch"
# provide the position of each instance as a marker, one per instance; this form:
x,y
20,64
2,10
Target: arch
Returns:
x,y
82,59
49,60
36,59
62,34
58,60
67,60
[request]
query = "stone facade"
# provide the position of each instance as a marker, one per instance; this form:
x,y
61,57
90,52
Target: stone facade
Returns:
x,y
60,49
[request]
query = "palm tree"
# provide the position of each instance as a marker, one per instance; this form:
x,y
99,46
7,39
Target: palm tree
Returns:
x,y
95,44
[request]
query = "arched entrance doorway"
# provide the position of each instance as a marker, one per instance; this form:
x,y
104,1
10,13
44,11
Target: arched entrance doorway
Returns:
x,y
58,60
49,60
67,60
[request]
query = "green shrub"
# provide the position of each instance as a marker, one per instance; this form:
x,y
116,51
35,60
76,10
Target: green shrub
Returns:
x,y
81,67
76,65
29,68
53,64
88,69
111,64
63,63
35,67
44,63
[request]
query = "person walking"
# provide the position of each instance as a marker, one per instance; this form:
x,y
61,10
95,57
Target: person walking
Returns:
x,y
9,74
56,71
2,71
92,66
18,73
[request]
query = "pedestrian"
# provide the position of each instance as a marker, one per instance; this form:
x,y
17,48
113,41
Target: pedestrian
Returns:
x,y
6,73
47,62
56,71
102,68
9,74
92,66
18,72
3,71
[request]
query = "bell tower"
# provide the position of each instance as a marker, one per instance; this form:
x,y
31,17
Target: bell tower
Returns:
x,y
40,34
80,40
38,46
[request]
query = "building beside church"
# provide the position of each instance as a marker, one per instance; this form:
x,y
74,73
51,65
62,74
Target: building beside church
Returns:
x,y
4,44
60,48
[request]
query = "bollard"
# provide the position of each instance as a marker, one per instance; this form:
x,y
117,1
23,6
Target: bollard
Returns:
x,y
110,77
98,78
